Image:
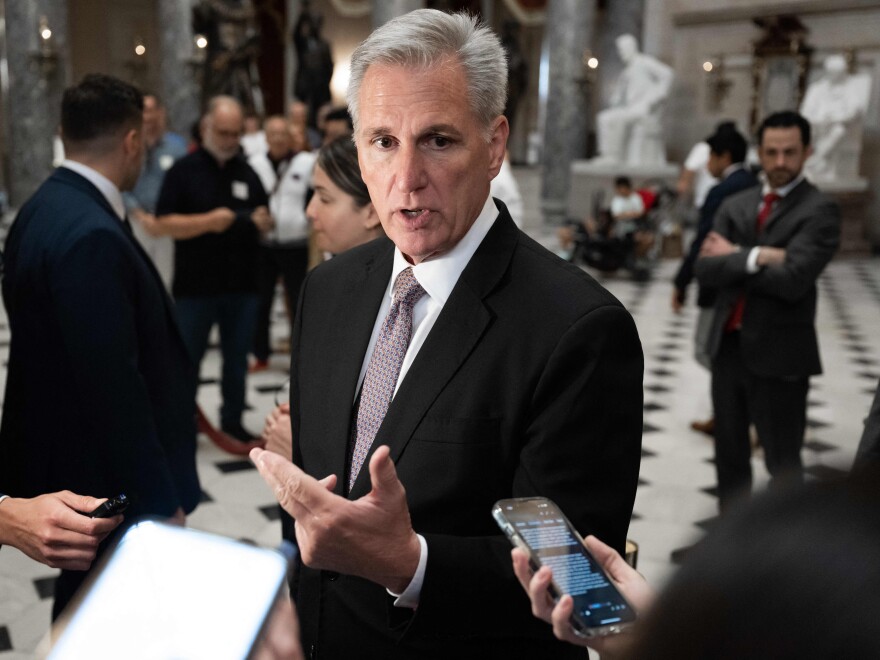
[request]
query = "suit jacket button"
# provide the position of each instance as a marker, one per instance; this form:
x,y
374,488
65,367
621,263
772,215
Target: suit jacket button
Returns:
x,y
332,575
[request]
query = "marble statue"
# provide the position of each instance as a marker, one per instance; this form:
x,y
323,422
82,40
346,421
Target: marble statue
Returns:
x,y
630,130
835,106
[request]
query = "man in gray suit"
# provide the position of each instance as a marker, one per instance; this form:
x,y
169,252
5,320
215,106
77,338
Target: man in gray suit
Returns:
x,y
769,245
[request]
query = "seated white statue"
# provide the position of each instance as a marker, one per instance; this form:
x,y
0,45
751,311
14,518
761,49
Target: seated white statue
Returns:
x,y
630,130
835,106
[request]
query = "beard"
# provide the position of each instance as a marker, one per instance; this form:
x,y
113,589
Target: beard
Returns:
x,y
222,155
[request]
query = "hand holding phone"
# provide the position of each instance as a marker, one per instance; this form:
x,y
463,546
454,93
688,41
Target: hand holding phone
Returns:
x,y
539,529
112,507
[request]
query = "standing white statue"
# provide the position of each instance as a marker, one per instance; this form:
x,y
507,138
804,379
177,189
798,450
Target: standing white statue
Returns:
x,y
835,106
630,130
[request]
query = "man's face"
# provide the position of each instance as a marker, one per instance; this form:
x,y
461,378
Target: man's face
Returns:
x,y
423,155
277,137
782,155
298,113
152,120
718,163
223,131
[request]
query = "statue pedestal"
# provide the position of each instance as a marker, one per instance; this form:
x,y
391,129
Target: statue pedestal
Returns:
x,y
592,182
852,196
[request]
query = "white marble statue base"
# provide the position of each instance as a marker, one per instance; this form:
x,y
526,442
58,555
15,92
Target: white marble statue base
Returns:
x,y
840,186
592,182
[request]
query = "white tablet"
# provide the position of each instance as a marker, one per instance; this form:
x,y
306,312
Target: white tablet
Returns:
x,y
172,592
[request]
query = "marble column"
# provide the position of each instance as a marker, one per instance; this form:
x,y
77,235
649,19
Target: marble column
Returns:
x,y
177,66
620,17
568,33
385,10
38,73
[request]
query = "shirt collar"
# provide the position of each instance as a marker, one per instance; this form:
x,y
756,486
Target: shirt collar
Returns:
x,y
784,190
439,275
104,185
730,169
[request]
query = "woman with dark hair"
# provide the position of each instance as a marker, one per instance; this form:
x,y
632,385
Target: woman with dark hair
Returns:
x,y
340,211
342,217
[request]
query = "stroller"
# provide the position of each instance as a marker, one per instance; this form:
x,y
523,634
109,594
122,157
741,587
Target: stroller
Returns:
x,y
596,245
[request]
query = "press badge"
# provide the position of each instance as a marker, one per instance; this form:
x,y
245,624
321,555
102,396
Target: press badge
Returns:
x,y
165,162
239,190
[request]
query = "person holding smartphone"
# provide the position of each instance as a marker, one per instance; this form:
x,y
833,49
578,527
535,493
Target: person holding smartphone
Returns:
x,y
53,529
792,576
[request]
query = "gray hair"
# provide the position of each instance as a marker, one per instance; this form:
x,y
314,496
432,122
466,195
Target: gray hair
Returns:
x,y
421,39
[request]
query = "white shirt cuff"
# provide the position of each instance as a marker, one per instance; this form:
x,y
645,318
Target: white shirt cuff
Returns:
x,y
410,596
752,261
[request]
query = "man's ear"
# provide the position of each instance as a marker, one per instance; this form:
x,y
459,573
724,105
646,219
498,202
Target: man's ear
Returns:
x,y
132,141
498,144
371,218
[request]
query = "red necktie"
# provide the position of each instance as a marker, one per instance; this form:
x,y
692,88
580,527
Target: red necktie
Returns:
x,y
734,321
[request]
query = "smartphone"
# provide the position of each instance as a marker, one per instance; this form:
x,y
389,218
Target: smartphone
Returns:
x,y
111,507
172,592
537,526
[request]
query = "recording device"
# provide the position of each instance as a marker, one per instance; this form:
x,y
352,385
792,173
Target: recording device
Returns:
x,y
111,507
171,592
538,527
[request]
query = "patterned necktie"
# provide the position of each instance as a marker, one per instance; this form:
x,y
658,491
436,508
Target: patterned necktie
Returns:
x,y
734,321
384,367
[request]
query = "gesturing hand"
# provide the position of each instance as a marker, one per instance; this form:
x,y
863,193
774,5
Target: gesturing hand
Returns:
x,y
371,537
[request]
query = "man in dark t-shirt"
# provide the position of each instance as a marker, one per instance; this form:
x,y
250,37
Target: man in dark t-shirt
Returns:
x,y
214,205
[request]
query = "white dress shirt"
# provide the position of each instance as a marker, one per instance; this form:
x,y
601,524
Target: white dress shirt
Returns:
x,y
104,185
438,277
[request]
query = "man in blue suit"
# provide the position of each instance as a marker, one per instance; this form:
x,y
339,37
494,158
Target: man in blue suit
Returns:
x,y
100,391
727,153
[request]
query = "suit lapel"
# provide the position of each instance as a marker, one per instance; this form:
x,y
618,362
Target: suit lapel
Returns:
x,y
360,302
749,217
455,335
784,204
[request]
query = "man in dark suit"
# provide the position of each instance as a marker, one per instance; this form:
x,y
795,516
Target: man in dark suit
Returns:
x,y
869,445
768,247
727,153
99,394
515,374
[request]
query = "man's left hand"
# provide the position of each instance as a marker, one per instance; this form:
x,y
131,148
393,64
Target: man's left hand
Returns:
x,y
716,245
371,537
262,219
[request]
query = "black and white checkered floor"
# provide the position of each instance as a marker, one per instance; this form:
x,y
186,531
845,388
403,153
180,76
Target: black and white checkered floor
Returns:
x,y
675,502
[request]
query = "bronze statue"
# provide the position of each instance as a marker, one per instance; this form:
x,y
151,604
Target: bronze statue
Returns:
x,y
311,84
231,57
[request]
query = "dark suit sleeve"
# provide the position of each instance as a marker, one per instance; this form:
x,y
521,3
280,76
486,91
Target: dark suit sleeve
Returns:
x,y
94,292
704,226
727,270
808,252
869,446
581,449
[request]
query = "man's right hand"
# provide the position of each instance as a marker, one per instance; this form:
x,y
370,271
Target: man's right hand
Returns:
x,y
677,300
52,529
221,219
